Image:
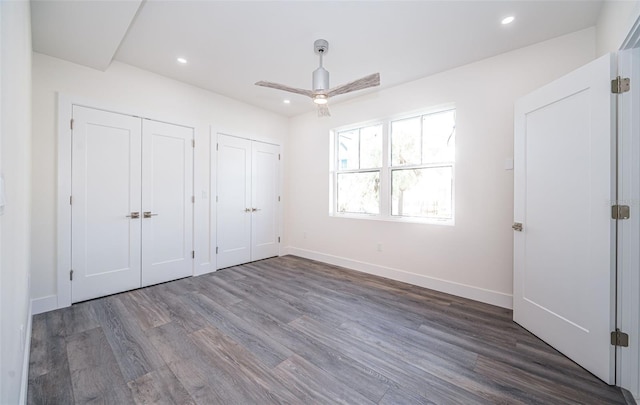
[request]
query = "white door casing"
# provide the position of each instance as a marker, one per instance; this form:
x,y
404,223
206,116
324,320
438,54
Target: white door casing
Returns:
x,y
629,229
106,177
167,205
264,197
564,259
233,231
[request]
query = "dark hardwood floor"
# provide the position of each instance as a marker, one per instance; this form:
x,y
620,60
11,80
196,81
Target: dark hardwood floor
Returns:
x,y
291,330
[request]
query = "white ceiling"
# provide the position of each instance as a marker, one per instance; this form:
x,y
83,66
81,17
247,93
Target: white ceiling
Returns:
x,y
230,45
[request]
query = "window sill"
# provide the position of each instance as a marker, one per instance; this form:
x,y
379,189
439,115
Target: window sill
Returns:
x,y
406,220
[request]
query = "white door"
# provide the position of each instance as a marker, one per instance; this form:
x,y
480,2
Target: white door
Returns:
x,y
167,205
264,197
234,201
564,258
247,208
106,176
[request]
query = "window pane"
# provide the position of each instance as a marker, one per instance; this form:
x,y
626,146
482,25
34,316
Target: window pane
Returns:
x,y
371,147
359,192
348,150
438,131
422,193
405,142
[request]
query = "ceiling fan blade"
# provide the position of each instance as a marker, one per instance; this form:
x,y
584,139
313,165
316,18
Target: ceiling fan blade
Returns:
x,y
363,83
278,86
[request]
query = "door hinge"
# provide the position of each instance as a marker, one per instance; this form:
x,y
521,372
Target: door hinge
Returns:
x,y
193,254
620,212
71,275
70,200
216,250
71,124
278,156
620,85
193,143
193,199
278,239
217,146
278,198
619,338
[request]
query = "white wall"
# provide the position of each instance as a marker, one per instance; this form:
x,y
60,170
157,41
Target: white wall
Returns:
x,y
141,92
15,119
614,23
473,258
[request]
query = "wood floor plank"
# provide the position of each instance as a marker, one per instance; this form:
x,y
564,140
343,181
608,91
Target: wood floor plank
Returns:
x,y
133,351
200,380
159,387
179,310
361,378
313,385
79,318
289,330
396,396
52,388
270,352
147,314
400,370
173,343
48,346
209,286
267,388
95,374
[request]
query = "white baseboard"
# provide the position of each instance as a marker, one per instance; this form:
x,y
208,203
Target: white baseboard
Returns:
x,y
450,287
44,304
24,380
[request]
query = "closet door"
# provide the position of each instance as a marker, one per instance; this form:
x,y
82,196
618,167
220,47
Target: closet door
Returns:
x,y
106,205
264,199
167,205
234,201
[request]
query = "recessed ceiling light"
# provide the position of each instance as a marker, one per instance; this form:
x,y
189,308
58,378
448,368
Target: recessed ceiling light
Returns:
x,y
182,60
286,101
508,20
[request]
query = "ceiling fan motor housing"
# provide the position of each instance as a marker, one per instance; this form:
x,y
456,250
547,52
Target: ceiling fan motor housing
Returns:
x,y
320,79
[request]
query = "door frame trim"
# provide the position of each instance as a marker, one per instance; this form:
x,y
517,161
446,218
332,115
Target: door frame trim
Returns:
x,y
628,373
65,105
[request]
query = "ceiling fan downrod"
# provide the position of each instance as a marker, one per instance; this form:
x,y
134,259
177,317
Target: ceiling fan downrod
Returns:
x,y
320,76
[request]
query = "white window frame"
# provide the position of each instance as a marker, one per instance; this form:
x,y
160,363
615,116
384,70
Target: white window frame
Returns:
x,y
385,171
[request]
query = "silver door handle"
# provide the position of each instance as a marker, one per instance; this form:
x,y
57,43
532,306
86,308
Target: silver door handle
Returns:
x,y
134,215
517,226
148,214
255,209
247,210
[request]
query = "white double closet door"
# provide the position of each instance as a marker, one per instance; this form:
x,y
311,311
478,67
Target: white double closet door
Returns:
x,y
247,200
132,212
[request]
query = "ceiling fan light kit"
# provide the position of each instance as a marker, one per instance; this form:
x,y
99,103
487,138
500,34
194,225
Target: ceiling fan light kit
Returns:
x,y
320,83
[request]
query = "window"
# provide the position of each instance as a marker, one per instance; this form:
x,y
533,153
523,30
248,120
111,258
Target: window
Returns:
x,y
400,169
359,164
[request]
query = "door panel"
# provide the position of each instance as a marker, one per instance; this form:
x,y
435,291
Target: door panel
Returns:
x,y
264,187
234,201
106,152
167,189
564,185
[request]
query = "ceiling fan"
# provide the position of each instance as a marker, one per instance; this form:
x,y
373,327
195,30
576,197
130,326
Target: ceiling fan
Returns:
x,y
321,91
